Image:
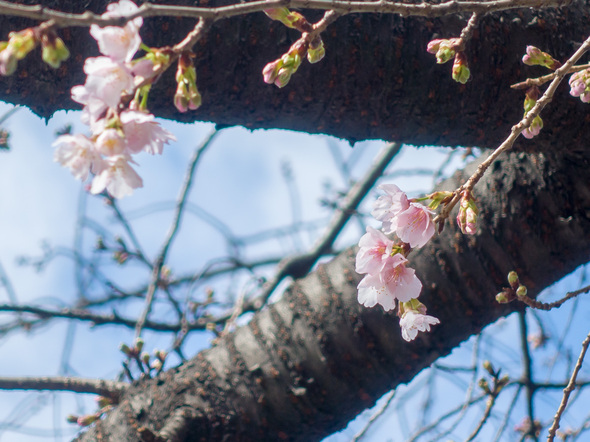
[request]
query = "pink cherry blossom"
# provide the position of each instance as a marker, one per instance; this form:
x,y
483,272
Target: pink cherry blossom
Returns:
x,y
395,281
375,248
415,225
412,322
117,176
94,108
107,79
77,153
119,43
110,142
388,206
143,133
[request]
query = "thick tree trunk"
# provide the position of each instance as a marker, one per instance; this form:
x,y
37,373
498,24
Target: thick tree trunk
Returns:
x,y
305,366
376,81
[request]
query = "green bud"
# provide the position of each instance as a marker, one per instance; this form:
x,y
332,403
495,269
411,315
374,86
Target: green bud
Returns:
x,y
521,291
512,278
54,52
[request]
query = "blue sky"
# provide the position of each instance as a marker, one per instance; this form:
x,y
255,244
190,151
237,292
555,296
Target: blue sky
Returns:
x,y
238,182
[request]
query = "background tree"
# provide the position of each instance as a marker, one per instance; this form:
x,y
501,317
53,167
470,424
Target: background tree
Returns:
x,y
304,366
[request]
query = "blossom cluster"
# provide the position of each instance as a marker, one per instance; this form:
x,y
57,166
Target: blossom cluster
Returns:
x,y
388,280
445,50
117,131
580,85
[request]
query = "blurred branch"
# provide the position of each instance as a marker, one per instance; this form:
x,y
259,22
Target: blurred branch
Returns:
x,y
101,387
96,319
161,258
527,374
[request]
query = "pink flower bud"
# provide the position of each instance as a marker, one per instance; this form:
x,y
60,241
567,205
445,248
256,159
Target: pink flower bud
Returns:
x,y
271,70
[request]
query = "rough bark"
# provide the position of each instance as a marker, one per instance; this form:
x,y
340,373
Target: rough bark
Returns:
x,y
305,366
377,81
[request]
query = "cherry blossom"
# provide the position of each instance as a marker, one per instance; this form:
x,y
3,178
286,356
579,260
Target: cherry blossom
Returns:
x,y
412,322
580,85
394,281
143,133
110,142
375,248
119,43
388,206
415,225
117,176
107,79
77,153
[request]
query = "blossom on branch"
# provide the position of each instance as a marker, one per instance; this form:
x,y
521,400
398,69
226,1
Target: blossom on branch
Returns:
x,y
413,322
117,177
580,85
119,43
394,281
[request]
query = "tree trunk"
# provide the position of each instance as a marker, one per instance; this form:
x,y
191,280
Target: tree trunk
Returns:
x,y
303,367
376,81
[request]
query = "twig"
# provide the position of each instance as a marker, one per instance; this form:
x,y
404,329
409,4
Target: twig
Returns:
x,y
545,78
567,390
374,417
161,259
111,389
64,19
551,305
96,319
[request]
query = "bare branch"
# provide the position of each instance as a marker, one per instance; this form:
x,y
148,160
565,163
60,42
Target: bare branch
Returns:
x,y
110,389
570,387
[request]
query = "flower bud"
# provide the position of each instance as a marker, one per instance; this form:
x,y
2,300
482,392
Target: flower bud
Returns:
x,y
72,419
444,49
534,56
54,50
316,51
84,421
22,42
534,129
8,62
283,77
125,349
145,358
521,291
512,278
460,71
580,85
187,95
271,70
139,344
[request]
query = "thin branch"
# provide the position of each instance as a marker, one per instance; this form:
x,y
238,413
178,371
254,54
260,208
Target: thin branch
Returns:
x,y
567,390
96,319
111,389
161,259
64,19
527,373
374,417
551,305
514,133
529,82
